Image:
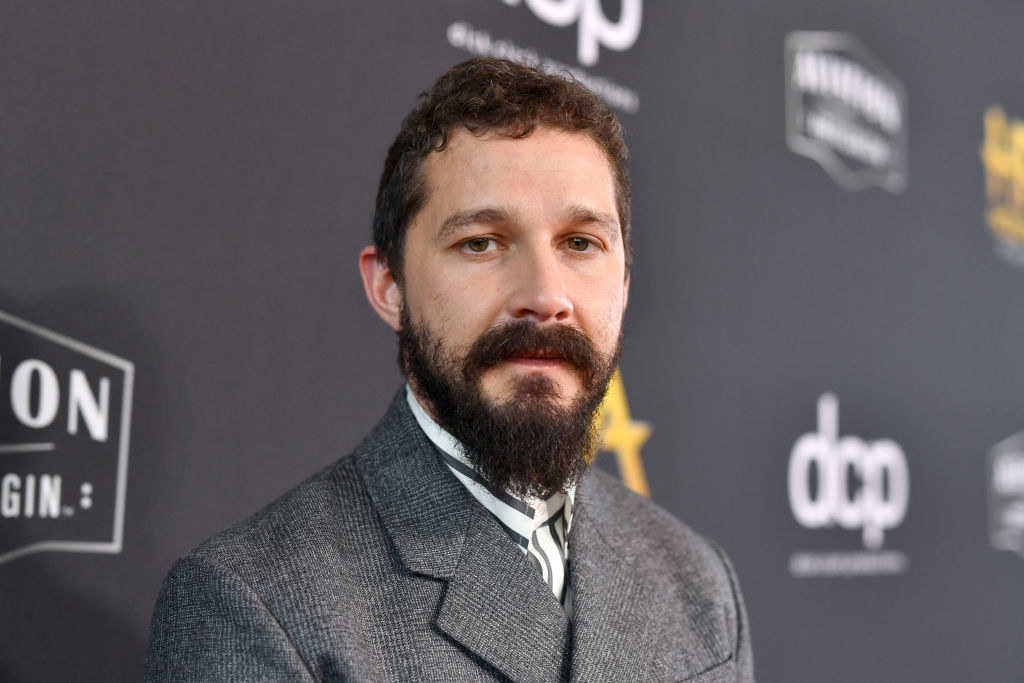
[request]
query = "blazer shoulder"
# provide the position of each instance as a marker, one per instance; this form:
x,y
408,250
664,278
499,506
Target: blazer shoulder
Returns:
x,y
276,582
331,519
682,561
660,545
654,528
316,511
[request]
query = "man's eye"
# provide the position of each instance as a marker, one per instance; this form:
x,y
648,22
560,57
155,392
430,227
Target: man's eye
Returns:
x,y
478,245
578,243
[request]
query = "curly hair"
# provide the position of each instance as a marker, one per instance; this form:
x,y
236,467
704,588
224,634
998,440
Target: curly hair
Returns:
x,y
485,96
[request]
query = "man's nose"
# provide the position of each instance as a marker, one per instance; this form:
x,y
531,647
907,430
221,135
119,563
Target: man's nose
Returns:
x,y
540,292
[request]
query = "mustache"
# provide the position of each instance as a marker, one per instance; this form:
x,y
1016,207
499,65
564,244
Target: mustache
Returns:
x,y
518,338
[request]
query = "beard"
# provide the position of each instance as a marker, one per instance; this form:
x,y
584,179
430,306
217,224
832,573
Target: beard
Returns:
x,y
529,445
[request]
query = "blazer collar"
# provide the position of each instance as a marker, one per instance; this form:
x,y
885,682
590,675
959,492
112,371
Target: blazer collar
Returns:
x,y
494,597
422,506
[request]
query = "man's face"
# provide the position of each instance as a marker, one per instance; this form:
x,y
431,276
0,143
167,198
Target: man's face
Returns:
x,y
510,311
518,230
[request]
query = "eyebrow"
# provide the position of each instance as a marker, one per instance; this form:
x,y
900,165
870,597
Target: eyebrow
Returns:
x,y
486,216
493,215
578,215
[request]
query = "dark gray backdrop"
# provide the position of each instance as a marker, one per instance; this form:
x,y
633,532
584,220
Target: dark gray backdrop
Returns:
x,y
187,185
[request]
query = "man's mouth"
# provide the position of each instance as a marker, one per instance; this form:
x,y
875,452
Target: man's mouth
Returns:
x,y
537,358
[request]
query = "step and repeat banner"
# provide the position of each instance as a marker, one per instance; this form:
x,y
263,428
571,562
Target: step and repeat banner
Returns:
x,y
823,359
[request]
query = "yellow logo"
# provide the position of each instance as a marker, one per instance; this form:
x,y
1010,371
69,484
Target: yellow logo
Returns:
x,y
1002,155
623,435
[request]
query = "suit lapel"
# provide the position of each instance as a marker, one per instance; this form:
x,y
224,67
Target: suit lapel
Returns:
x,y
495,605
498,607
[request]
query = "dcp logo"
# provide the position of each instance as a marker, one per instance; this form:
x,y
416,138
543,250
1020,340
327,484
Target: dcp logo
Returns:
x,y
860,485
595,29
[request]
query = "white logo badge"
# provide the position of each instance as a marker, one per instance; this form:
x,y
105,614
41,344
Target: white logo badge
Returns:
x,y
850,483
65,414
846,111
595,29
1006,495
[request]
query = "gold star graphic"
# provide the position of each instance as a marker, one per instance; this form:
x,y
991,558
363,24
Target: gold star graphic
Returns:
x,y
624,436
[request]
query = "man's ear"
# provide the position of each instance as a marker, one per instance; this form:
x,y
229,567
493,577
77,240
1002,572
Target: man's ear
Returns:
x,y
625,292
382,291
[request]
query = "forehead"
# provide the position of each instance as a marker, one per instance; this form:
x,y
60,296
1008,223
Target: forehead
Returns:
x,y
549,167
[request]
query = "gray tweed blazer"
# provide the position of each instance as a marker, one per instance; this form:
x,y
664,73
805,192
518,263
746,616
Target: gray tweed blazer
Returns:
x,y
382,567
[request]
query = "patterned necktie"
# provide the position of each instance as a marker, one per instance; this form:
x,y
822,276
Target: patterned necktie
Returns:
x,y
546,551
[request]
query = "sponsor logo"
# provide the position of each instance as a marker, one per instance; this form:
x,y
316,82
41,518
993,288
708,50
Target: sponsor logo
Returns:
x,y
65,414
595,30
845,110
623,436
852,484
1002,155
1006,495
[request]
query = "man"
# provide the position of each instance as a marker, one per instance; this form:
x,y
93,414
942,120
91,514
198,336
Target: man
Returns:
x,y
463,539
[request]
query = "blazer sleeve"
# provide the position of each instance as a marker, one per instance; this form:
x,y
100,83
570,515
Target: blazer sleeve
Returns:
x,y
210,625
